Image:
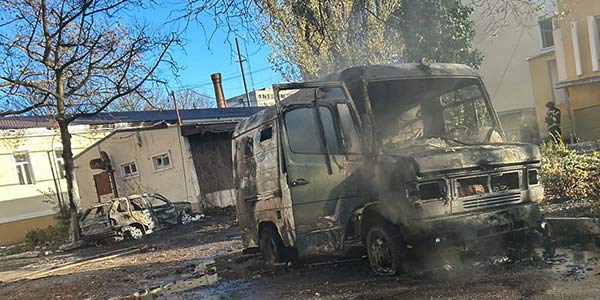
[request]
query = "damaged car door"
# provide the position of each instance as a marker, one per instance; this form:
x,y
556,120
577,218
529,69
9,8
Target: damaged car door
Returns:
x,y
322,151
163,209
95,222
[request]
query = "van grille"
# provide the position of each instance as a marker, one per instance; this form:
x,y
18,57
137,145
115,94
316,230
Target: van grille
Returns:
x,y
491,201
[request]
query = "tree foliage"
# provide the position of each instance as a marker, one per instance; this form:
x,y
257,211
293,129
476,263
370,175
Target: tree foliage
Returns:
x,y
440,30
315,37
312,38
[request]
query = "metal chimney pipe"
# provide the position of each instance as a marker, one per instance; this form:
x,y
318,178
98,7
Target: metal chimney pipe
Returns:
x,y
216,79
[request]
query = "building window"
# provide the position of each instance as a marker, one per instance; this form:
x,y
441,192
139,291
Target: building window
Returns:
x,y
129,169
60,163
24,171
161,162
546,29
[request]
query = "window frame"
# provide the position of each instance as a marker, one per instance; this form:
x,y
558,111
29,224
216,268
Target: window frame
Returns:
x,y
335,124
24,166
59,163
543,41
130,175
355,124
155,167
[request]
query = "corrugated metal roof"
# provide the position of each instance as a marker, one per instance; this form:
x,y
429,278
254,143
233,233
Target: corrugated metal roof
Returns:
x,y
155,116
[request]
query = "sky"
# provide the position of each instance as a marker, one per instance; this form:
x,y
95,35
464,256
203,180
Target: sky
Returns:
x,y
199,59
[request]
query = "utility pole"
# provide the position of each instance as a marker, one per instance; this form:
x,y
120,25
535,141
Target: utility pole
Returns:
x,y
237,45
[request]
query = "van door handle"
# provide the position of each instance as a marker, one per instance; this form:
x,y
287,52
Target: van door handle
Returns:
x,y
299,181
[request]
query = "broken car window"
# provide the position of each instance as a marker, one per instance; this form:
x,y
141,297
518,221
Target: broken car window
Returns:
x,y
266,134
122,206
303,131
349,133
138,204
455,110
157,201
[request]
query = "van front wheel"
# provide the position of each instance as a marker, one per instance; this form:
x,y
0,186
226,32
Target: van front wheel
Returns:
x,y
386,251
271,246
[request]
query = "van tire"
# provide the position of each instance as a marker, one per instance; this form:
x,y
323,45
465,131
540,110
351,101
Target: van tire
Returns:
x,y
271,246
386,249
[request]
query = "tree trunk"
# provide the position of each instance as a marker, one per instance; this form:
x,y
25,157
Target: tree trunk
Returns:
x,y
65,137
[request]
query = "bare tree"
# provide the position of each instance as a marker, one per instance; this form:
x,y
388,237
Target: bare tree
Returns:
x,y
157,99
495,15
75,58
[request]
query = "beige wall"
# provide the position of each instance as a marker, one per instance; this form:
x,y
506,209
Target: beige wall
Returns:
x,y
14,232
511,90
582,96
28,204
542,89
177,183
578,11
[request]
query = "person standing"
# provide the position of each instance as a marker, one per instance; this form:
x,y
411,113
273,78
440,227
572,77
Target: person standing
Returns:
x,y
553,121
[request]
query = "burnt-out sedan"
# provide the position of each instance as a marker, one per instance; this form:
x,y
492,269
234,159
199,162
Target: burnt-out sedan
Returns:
x,y
133,216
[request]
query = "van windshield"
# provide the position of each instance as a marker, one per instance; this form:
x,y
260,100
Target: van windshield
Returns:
x,y
451,109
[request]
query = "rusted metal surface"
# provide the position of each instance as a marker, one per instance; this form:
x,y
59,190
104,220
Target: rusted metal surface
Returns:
x,y
217,84
431,160
131,216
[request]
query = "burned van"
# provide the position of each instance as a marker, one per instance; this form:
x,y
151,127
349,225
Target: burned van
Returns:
x,y
389,157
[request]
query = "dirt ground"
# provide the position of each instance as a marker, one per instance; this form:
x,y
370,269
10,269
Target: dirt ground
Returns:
x,y
203,260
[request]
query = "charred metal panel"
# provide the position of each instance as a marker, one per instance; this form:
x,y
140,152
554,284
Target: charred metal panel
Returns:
x,y
442,170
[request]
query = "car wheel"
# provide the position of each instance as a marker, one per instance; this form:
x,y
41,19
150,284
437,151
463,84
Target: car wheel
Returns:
x,y
133,232
271,246
385,249
185,218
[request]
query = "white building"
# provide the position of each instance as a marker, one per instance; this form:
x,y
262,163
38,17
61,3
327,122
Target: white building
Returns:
x,y
262,97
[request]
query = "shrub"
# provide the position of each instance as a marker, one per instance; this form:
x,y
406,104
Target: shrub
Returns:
x,y
567,174
53,235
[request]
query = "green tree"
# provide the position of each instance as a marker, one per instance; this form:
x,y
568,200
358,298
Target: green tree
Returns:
x,y
312,38
441,30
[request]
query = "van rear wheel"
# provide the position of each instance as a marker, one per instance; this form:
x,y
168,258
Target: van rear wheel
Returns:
x,y
386,250
271,246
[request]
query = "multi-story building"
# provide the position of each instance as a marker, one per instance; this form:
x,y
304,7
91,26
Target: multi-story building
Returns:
x,y
261,97
567,70
32,181
506,45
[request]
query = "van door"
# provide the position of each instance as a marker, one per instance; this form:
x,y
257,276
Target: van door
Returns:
x,y
322,149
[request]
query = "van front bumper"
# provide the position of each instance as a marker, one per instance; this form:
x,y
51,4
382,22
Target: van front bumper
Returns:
x,y
461,228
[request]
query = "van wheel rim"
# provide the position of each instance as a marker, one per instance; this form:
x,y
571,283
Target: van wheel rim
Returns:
x,y
186,218
381,255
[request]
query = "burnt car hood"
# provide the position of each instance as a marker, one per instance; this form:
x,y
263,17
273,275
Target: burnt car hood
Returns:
x,y
432,158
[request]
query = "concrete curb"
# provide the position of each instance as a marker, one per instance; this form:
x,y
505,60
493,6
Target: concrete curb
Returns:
x,y
574,227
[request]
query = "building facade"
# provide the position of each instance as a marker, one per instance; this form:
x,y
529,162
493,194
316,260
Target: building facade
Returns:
x,y
144,160
567,72
506,46
191,162
261,97
32,184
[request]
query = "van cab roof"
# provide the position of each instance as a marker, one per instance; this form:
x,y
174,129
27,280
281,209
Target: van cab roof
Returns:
x,y
354,74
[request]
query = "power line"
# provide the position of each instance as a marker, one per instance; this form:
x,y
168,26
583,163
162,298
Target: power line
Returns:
x,y
206,83
512,56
